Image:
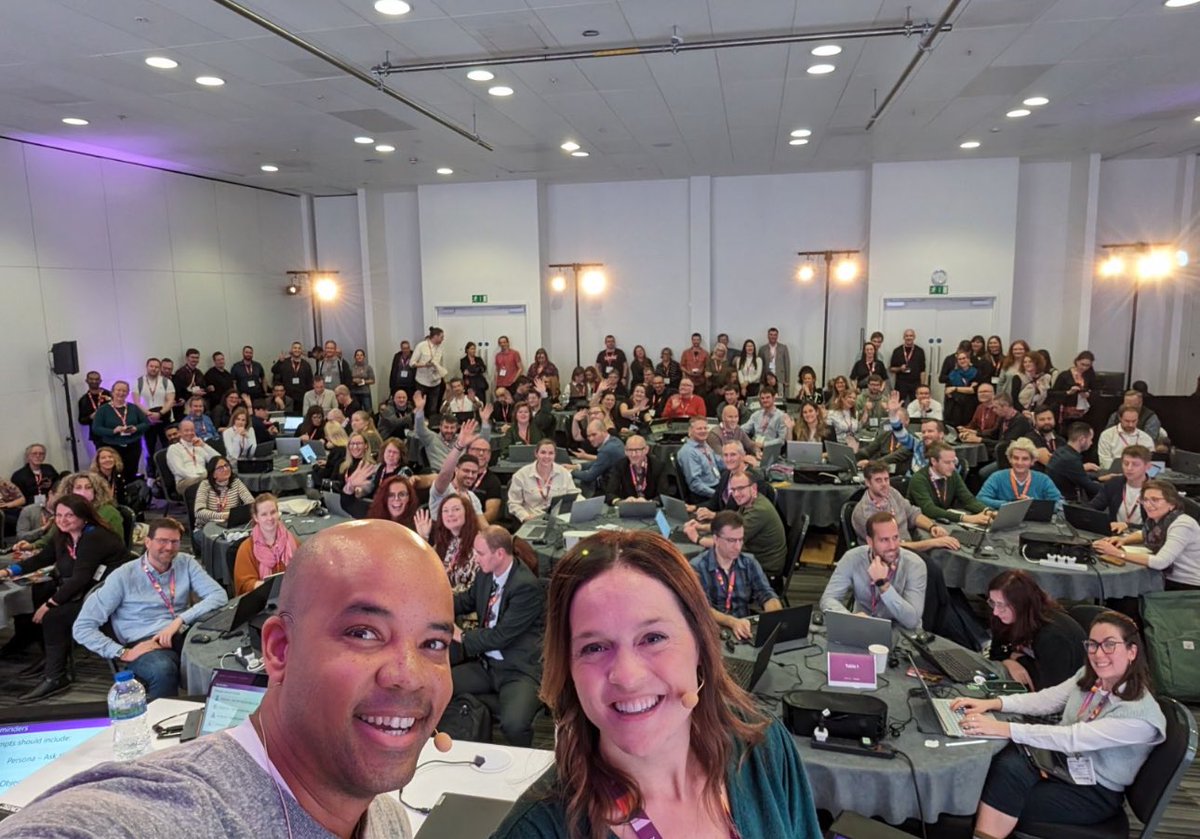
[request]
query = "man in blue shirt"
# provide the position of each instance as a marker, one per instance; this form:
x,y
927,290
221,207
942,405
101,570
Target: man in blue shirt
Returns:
x,y
1019,480
732,580
147,601
609,452
697,461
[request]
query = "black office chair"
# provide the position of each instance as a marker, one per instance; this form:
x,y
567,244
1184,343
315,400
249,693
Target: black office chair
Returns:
x,y
170,490
783,580
1185,461
1150,792
189,503
847,538
685,492
128,520
1084,614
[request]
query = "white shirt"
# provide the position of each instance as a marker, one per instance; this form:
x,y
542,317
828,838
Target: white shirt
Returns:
x,y
915,411
1114,440
529,495
156,392
189,462
1130,511
237,445
425,353
490,619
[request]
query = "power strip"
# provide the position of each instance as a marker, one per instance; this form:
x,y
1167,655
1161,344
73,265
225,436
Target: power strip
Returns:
x,y
854,747
1062,563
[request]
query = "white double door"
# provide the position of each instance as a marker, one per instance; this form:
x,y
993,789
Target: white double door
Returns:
x,y
940,323
484,325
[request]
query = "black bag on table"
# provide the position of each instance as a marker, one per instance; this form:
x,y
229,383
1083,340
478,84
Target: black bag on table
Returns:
x,y
466,718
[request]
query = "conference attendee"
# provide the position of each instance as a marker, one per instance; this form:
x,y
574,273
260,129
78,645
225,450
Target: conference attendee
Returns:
x,y
749,369
267,551
436,446
908,367
294,374
1010,369
612,359
871,405
940,491
248,375
635,411
452,534
641,368
765,536
768,422
82,551
395,500
732,580
932,431
882,497
1067,469
924,406
656,725
812,425
609,454
522,431
333,368
329,468
239,438
217,380
36,476
1171,536
962,381
716,369
188,457
1034,639
121,426
344,402
842,416
728,430
1045,436
543,368
1072,388
1013,426
734,462
109,468
775,359
697,461
474,371
313,425
668,368
458,401
205,428
362,380
658,394
427,361
12,502
984,421
877,339
393,460
637,476
1148,421
486,487
684,403
980,359
230,401
536,484
994,350
402,375
279,401
89,403
807,389
1121,497
396,416
885,580
219,493
154,393
503,655
1032,383
719,398
509,365
148,603
1018,481
579,425
883,446
1109,724
1117,438
357,471
458,473
867,366
837,387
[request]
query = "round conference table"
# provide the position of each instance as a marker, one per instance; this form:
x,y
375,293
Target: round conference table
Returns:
x,y
216,546
821,502
14,600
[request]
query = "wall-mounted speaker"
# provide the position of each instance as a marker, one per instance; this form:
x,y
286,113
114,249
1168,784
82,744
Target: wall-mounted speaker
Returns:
x,y
66,358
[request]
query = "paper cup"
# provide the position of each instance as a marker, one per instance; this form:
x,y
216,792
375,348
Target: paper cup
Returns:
x,y
881,653
295,460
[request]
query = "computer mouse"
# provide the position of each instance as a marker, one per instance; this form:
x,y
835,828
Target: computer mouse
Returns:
x,y
818,618
924,637
987,549
726,635
202,639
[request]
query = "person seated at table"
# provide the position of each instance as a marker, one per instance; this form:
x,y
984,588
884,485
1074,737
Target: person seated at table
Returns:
x,y
219,493
768,422
1045,436
280,401
649,725
697,461
93,489
108,466
345,400
1019,481
886,580
12,500
609,453
522,431
83,550
223,411
329,468
36,476
1118,438
881,496
458,401
940,492
734,461
1147,420
578,388
1171,536
932,431
188,456
268,550
319,397
684,403
882,445
149,604
396,416
843,416
984,421
204,427
536,484
452,534
765,536
458,473
543,368
313,425
925,406
356,474
637,476
1068,471
669,369
361,423
239,436
813,425
733,580
503,656
437,446
395,500
1110,723
729,429
1121,497
807,389
728,394
871,404
486,486
393,460
1036,641
635,411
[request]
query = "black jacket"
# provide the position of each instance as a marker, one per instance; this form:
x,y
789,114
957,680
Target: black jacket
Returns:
x,y
1019,426
1067,472
620,481
1111,496
29,485
519,625
296,382
1057,651
98,548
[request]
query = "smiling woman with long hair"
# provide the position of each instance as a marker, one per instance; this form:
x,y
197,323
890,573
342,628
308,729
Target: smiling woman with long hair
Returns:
x,y
652,733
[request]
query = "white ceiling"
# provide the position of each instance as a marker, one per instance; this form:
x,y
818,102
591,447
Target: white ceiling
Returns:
x,y
1123,77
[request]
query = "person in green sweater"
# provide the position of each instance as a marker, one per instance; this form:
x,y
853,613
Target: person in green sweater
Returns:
x,y
940,491
653,737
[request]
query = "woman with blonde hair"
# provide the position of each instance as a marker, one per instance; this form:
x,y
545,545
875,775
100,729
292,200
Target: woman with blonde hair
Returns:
x,y
268,550
813,424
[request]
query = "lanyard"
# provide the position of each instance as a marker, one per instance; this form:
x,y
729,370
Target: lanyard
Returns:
x,y
121,415
1126,441
1132,507
1020,490
544,489
95,402
249,365
639,481
875,589
766,421
1087,701
942,487
170,604
908,354
153,388
644,828
728,586
1051,442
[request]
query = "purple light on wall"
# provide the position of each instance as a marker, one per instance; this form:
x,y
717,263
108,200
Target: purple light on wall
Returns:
x,y
97,148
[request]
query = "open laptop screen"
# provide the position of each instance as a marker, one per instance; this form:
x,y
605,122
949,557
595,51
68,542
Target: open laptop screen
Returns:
x,y
25,747
232,696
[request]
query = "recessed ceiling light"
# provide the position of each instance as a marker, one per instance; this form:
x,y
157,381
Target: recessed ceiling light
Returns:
x,y
384,148
210,81
445,170
570,146
579,154
799,141
364,141
1036,101
1196,119
1179,4
267,167
481,75
969,144
821,69
75,121
590,33
161,62
826,50
500,90
801,132
392,7
1019,112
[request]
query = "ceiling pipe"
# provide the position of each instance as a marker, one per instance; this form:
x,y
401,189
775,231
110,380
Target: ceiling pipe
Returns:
x,y
349,69
675,45
923,49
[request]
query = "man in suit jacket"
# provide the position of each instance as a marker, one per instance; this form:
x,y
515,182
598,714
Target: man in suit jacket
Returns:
x,y
637,475
774,356
504,655
1121,496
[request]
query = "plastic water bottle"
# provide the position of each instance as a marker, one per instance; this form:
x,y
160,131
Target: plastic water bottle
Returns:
x,y
127,713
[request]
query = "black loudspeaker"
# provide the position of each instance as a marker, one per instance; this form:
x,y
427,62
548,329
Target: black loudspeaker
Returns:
x,y
66,358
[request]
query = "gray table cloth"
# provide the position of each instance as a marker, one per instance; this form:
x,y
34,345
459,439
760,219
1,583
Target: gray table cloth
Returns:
x,y
963,570
549,554
216,547
971,455
822,502
277,481
14,600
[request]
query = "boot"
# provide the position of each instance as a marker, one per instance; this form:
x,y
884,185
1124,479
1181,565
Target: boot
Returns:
x,y
46,688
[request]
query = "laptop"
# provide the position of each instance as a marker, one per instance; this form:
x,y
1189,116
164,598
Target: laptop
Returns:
x,y
536,529
562,455
232,696
1009,516
255,465
637,510
842,457
673,508
32,736
804,453
1185,462
587,509
1084,518
333,503
770,454
1041,510
855,633
792,625
288,446
239,516
948,718
266,449
308,453
239,610
456,815
291,425
521,453
745,672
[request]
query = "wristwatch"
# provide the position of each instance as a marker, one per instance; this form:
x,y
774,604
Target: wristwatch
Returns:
x,y
881,583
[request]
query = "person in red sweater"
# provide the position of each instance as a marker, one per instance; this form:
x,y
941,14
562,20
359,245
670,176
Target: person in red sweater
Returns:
x,y
685,403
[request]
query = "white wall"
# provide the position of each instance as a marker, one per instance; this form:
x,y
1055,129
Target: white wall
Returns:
x,y
130,262
1044,256
339,248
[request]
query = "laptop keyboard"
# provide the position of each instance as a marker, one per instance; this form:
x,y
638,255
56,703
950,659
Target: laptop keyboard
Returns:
x,y
958,665
949,717
740,670
969,538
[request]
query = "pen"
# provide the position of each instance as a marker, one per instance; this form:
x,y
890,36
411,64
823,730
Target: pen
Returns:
x,y
964,743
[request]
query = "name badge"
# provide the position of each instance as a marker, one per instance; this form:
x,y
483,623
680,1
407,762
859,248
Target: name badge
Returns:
x,y
251,383
771,366
296,380
608,370
1081,769
329,380
503,371
39,499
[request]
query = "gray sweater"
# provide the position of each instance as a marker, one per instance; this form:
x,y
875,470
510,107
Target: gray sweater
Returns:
x,y
207,788
903,602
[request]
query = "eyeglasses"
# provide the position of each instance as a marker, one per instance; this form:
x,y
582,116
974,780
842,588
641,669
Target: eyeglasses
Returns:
x,y
740,488
638,450
997,605
159,541
1109,646
733,540
1153,500
221,466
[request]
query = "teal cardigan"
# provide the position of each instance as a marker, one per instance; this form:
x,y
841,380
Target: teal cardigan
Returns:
x,y
768,794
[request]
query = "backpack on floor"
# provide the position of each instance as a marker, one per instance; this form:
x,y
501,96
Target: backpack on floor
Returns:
x,y
466,718
1172,635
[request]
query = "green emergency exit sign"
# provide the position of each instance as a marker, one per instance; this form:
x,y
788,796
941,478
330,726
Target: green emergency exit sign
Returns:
x,y
939,289
478,298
